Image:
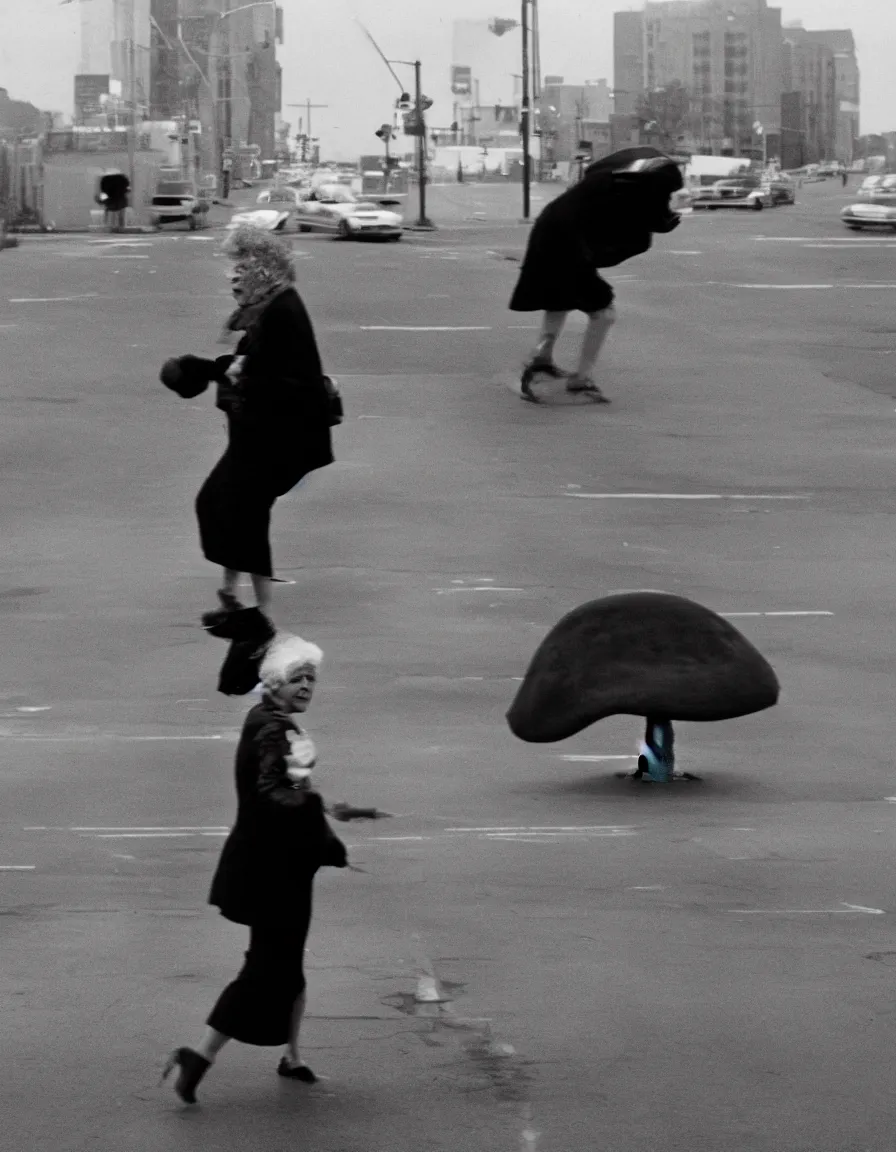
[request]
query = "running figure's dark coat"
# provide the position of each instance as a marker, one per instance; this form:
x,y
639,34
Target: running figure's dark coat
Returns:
x,y
278,422
598,223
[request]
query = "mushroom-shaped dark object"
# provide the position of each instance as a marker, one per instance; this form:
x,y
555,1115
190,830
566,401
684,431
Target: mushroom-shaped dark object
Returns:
x,y
189,376
640,654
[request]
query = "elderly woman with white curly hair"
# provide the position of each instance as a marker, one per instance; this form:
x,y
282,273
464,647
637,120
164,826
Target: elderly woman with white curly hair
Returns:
x,y
277,402
265,874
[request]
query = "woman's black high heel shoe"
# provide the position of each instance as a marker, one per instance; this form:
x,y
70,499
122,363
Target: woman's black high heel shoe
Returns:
x,y
191,1068
296,1072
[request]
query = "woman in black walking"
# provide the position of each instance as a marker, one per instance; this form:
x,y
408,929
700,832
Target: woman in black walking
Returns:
x,y
278,407
266,872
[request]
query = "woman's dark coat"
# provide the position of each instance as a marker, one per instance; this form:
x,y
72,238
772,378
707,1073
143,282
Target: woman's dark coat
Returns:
x,y
278,419
281,835
598,223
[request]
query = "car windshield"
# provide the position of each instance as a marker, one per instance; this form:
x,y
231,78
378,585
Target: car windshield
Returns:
x,y
173,188
888,182
740,182
333,194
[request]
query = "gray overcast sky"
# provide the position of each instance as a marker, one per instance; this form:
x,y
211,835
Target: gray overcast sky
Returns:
x,y
327,58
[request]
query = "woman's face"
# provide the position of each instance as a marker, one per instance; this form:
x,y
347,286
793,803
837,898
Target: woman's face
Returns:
x,y
235,276
295,695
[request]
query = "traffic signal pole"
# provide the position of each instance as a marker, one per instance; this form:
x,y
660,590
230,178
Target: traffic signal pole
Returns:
x,y
525,114
422,221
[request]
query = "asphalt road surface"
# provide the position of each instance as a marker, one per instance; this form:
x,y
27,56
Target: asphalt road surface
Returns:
x,y
700,967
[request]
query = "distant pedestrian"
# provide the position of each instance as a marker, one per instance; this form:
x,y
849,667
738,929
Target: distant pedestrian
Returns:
x,y
265,874
114,195
844,176
607,217
278,410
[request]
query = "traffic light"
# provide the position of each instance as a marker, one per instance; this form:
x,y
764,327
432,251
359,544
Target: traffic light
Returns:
x,y
386,133
404,103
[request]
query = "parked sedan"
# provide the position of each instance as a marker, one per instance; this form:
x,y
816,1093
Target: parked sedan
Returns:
x,y
178,202
870,214
747,193
334,208
782,189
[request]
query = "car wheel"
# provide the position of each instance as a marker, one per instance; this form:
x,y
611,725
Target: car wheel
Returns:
x,y
343,231
395,238
304,227
853,227
758,205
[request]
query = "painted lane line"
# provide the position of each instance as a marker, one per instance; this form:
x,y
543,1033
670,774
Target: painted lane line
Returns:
x,y
150,828
52,299
680,496
682,252
731,615
576,759
556,835
785,287
422,327
841,240
546,828
46,738
17,867
140,835
487,588
846,910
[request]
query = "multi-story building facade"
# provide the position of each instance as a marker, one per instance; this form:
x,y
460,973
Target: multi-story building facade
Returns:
x,y
215,61
809,73
726,53
570,114
115,43
848,96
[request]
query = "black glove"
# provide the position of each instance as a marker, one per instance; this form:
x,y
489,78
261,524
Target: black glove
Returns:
x,y
188,376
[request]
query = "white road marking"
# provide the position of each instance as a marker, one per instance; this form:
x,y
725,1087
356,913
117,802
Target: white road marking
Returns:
x,y
424,327
678,496
575,759
34,708
127,828
647,888
544,828
682,252
51,739
487,588
52,299
842,240
852,244
17,867
846,910
730,615
785,287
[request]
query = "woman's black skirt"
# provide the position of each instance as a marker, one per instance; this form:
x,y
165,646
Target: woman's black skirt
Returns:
x,y
234,512
257,1007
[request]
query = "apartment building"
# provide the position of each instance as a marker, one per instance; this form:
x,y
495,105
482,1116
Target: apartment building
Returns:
x,y
810,80
727,53
848,95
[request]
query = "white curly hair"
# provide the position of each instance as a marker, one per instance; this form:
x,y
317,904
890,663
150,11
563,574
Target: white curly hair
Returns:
x,y
285,655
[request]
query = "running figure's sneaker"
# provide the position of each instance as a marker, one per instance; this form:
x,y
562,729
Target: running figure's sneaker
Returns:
x,y
585,386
